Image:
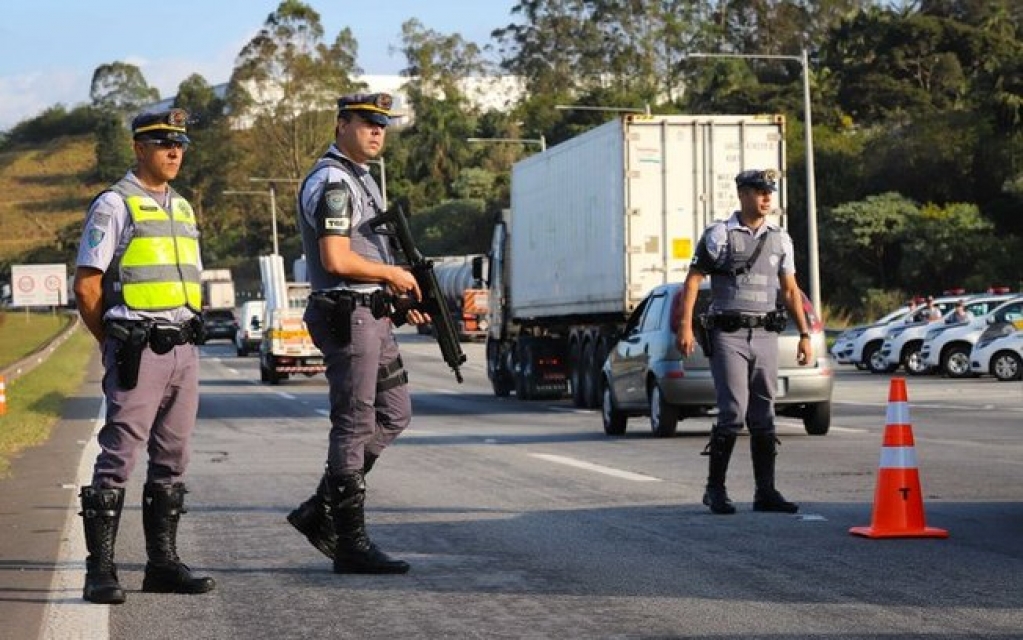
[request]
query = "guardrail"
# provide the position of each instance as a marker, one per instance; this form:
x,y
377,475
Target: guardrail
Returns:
x,y
20,367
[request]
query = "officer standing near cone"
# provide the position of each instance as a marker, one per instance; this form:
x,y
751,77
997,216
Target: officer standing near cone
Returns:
x,y
748,260
137,287
354,281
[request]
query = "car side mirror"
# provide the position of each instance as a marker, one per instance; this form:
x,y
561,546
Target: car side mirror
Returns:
x,y
255,322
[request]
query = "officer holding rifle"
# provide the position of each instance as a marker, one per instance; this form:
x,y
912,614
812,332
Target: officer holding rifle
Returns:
x,y
137,287
357,287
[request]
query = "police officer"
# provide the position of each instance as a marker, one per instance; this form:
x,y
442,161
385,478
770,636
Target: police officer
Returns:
x,y
748,259
137,288
354,280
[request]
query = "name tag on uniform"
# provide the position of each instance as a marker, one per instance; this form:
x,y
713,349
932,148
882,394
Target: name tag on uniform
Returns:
x,y
337,224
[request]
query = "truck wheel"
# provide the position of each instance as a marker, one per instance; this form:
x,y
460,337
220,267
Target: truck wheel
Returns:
x,y
502,382
614,420
576,373
955,362
591,395
663,416
241,350
817,418
1007,366
264,375
524,375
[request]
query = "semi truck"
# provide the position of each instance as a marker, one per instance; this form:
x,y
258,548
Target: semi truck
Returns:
x,y
217,289
466,296
595,223
286,347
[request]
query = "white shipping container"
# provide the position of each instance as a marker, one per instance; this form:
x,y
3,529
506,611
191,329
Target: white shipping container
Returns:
x,y
599,220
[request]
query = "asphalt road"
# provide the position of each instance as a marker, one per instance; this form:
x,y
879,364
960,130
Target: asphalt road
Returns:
x,y
523,520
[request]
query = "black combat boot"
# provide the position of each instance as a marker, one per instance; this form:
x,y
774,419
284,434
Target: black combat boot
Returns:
x,y
101,515
720,451
355,552
162,506
313,517
763,451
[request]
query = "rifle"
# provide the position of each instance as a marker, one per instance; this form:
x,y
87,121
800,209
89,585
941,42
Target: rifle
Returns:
x,y
393,223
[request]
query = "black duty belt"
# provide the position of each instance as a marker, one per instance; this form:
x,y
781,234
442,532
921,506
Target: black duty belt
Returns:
x,y
377,301
734,321
161,336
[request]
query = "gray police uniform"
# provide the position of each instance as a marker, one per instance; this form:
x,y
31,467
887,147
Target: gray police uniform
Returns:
x,y
161,408
369,400
744,362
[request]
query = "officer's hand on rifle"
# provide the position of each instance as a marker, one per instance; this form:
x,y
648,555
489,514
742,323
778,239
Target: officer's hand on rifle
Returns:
x,y
401,283
418,317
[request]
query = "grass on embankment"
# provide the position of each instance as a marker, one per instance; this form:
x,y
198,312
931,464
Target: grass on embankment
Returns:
x,y
35,400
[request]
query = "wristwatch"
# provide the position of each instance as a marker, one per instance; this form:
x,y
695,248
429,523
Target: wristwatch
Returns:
x,y
804,335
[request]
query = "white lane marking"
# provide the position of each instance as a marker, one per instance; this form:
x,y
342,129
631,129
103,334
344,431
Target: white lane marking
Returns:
x,y
285,395
323,412
589,466
67,615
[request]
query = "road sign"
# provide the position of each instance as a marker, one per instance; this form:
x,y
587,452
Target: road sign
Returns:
x,y
39,285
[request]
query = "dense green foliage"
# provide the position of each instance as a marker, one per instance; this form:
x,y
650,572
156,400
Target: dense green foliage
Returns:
x,y
918,116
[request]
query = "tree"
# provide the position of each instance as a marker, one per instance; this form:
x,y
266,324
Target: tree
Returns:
x,y
121,88
114,154
285,84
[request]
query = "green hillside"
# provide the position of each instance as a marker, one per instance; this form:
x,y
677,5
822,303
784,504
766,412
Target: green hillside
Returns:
x,y
46,190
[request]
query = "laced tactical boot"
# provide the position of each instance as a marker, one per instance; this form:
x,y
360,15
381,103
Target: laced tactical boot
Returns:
x,y
763,450
313,518
355,552
719,449
162,506
101,515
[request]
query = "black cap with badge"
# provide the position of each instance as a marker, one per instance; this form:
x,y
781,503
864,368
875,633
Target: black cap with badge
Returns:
x,y
161,125
766,180
373,107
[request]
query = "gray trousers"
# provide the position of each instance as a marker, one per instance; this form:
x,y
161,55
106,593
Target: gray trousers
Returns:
x,y
159,411
745,371
362,419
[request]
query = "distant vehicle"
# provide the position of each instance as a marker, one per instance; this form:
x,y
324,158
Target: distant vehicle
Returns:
x,y
250,327
948,347
646,375
860,344
902,340
998,354
219,324
217,289
286,348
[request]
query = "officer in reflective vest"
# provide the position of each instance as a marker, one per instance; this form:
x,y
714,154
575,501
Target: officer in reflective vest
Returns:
x,y
748,260
137,286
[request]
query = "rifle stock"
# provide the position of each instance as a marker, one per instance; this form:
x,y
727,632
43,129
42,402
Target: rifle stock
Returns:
x,y
394,223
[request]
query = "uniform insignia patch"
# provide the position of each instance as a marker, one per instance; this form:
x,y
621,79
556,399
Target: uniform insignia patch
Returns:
x,y
337,200
337,224
94,237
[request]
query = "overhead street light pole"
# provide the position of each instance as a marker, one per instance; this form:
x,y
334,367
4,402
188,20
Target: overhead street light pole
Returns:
x,y
542,141
811,190
273,204
273,209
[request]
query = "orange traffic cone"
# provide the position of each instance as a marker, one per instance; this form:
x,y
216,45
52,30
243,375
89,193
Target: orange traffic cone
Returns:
x,y
898,503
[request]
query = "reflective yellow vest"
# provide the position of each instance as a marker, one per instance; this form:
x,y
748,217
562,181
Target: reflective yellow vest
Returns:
x,y
159,268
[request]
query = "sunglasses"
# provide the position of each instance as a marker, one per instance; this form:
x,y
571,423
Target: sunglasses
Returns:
x,y
167,144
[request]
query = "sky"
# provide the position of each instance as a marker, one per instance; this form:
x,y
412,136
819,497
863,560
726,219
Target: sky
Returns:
x,y
49,49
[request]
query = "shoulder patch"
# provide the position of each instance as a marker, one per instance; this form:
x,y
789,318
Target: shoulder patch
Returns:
x,y
337,200
94,237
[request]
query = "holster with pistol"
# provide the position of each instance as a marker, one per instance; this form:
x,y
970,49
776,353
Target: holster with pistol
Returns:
x,y
132,339
338,309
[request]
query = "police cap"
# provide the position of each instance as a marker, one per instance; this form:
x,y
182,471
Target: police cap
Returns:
x,y
374,107
766,180
161,125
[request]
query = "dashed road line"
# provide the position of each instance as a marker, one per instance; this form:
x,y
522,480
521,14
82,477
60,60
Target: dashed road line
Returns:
x,y
589,466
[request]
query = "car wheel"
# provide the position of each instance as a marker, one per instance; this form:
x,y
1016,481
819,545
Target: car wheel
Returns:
x,y
876,361
663,416
614,420
817,418
1007,366
955,362
241,350
914,362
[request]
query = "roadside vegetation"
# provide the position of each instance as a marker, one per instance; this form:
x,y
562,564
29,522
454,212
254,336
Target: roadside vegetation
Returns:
x,y
35,400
